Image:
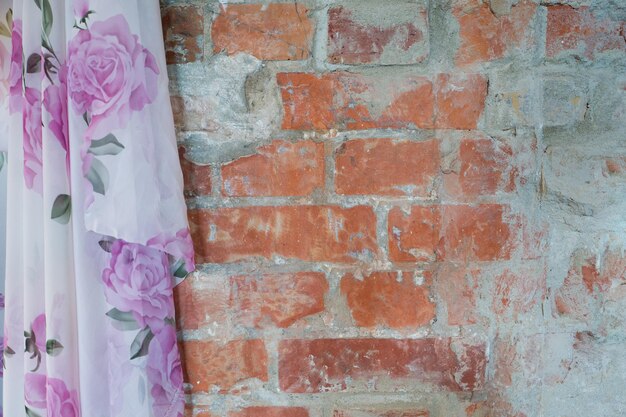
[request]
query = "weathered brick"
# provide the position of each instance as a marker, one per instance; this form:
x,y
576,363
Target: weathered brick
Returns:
x,y
278,169
460,100
518,292
589,282
414,235
338,365
210,365
259,301
201,302
310,233
479,233
461,232
183,29
196,178
381,413
384,33
347,101
277,299
271,412
579,32
194,412
484,167
485,36
458,285
389,299
387,167
276,31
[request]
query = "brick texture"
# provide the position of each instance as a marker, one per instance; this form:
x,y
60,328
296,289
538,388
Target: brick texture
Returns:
x,y
183,29
401,208
387,299
310,233
211,365
402,38
278,169
273,32
484,36
580,32
387,167
347,364
353,102
271,412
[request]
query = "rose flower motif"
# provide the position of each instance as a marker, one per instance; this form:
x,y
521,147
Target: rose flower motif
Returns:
x,y
165,373
110,75
138,280
50,394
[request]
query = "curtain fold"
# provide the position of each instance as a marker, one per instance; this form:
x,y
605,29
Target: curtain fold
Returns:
x,y
97,234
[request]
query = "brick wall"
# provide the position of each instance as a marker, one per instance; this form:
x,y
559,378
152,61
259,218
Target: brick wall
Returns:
x,y
402,208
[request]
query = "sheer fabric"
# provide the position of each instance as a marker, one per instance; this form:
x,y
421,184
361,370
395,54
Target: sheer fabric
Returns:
x,y
97,233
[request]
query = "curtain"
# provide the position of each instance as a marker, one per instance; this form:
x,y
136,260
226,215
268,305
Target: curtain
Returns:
x,y
97,234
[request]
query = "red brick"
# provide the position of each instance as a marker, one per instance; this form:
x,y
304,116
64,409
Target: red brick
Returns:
x,y
266,300
278,169
389,299
183,29
485,37
387,167
581,33
201,302
460,100
478,233
211,365
197,178
381,413
459,287
398,35
310,233
277,299
338,365
269,32
271,412
518,292
192,412
414,235
348,101
484,168
462,232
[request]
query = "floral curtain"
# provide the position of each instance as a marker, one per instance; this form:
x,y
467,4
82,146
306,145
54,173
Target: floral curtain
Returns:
x,y
97,233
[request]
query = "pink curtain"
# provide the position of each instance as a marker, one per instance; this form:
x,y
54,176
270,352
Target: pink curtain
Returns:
x,y
97,233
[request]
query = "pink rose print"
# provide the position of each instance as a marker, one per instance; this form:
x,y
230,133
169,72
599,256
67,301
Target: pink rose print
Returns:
x,y
15,74
110,75
165,373
138,280
33,159
55,103
81,8
180,246
50,394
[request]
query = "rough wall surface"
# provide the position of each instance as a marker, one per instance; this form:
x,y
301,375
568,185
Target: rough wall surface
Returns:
x,y
403,207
